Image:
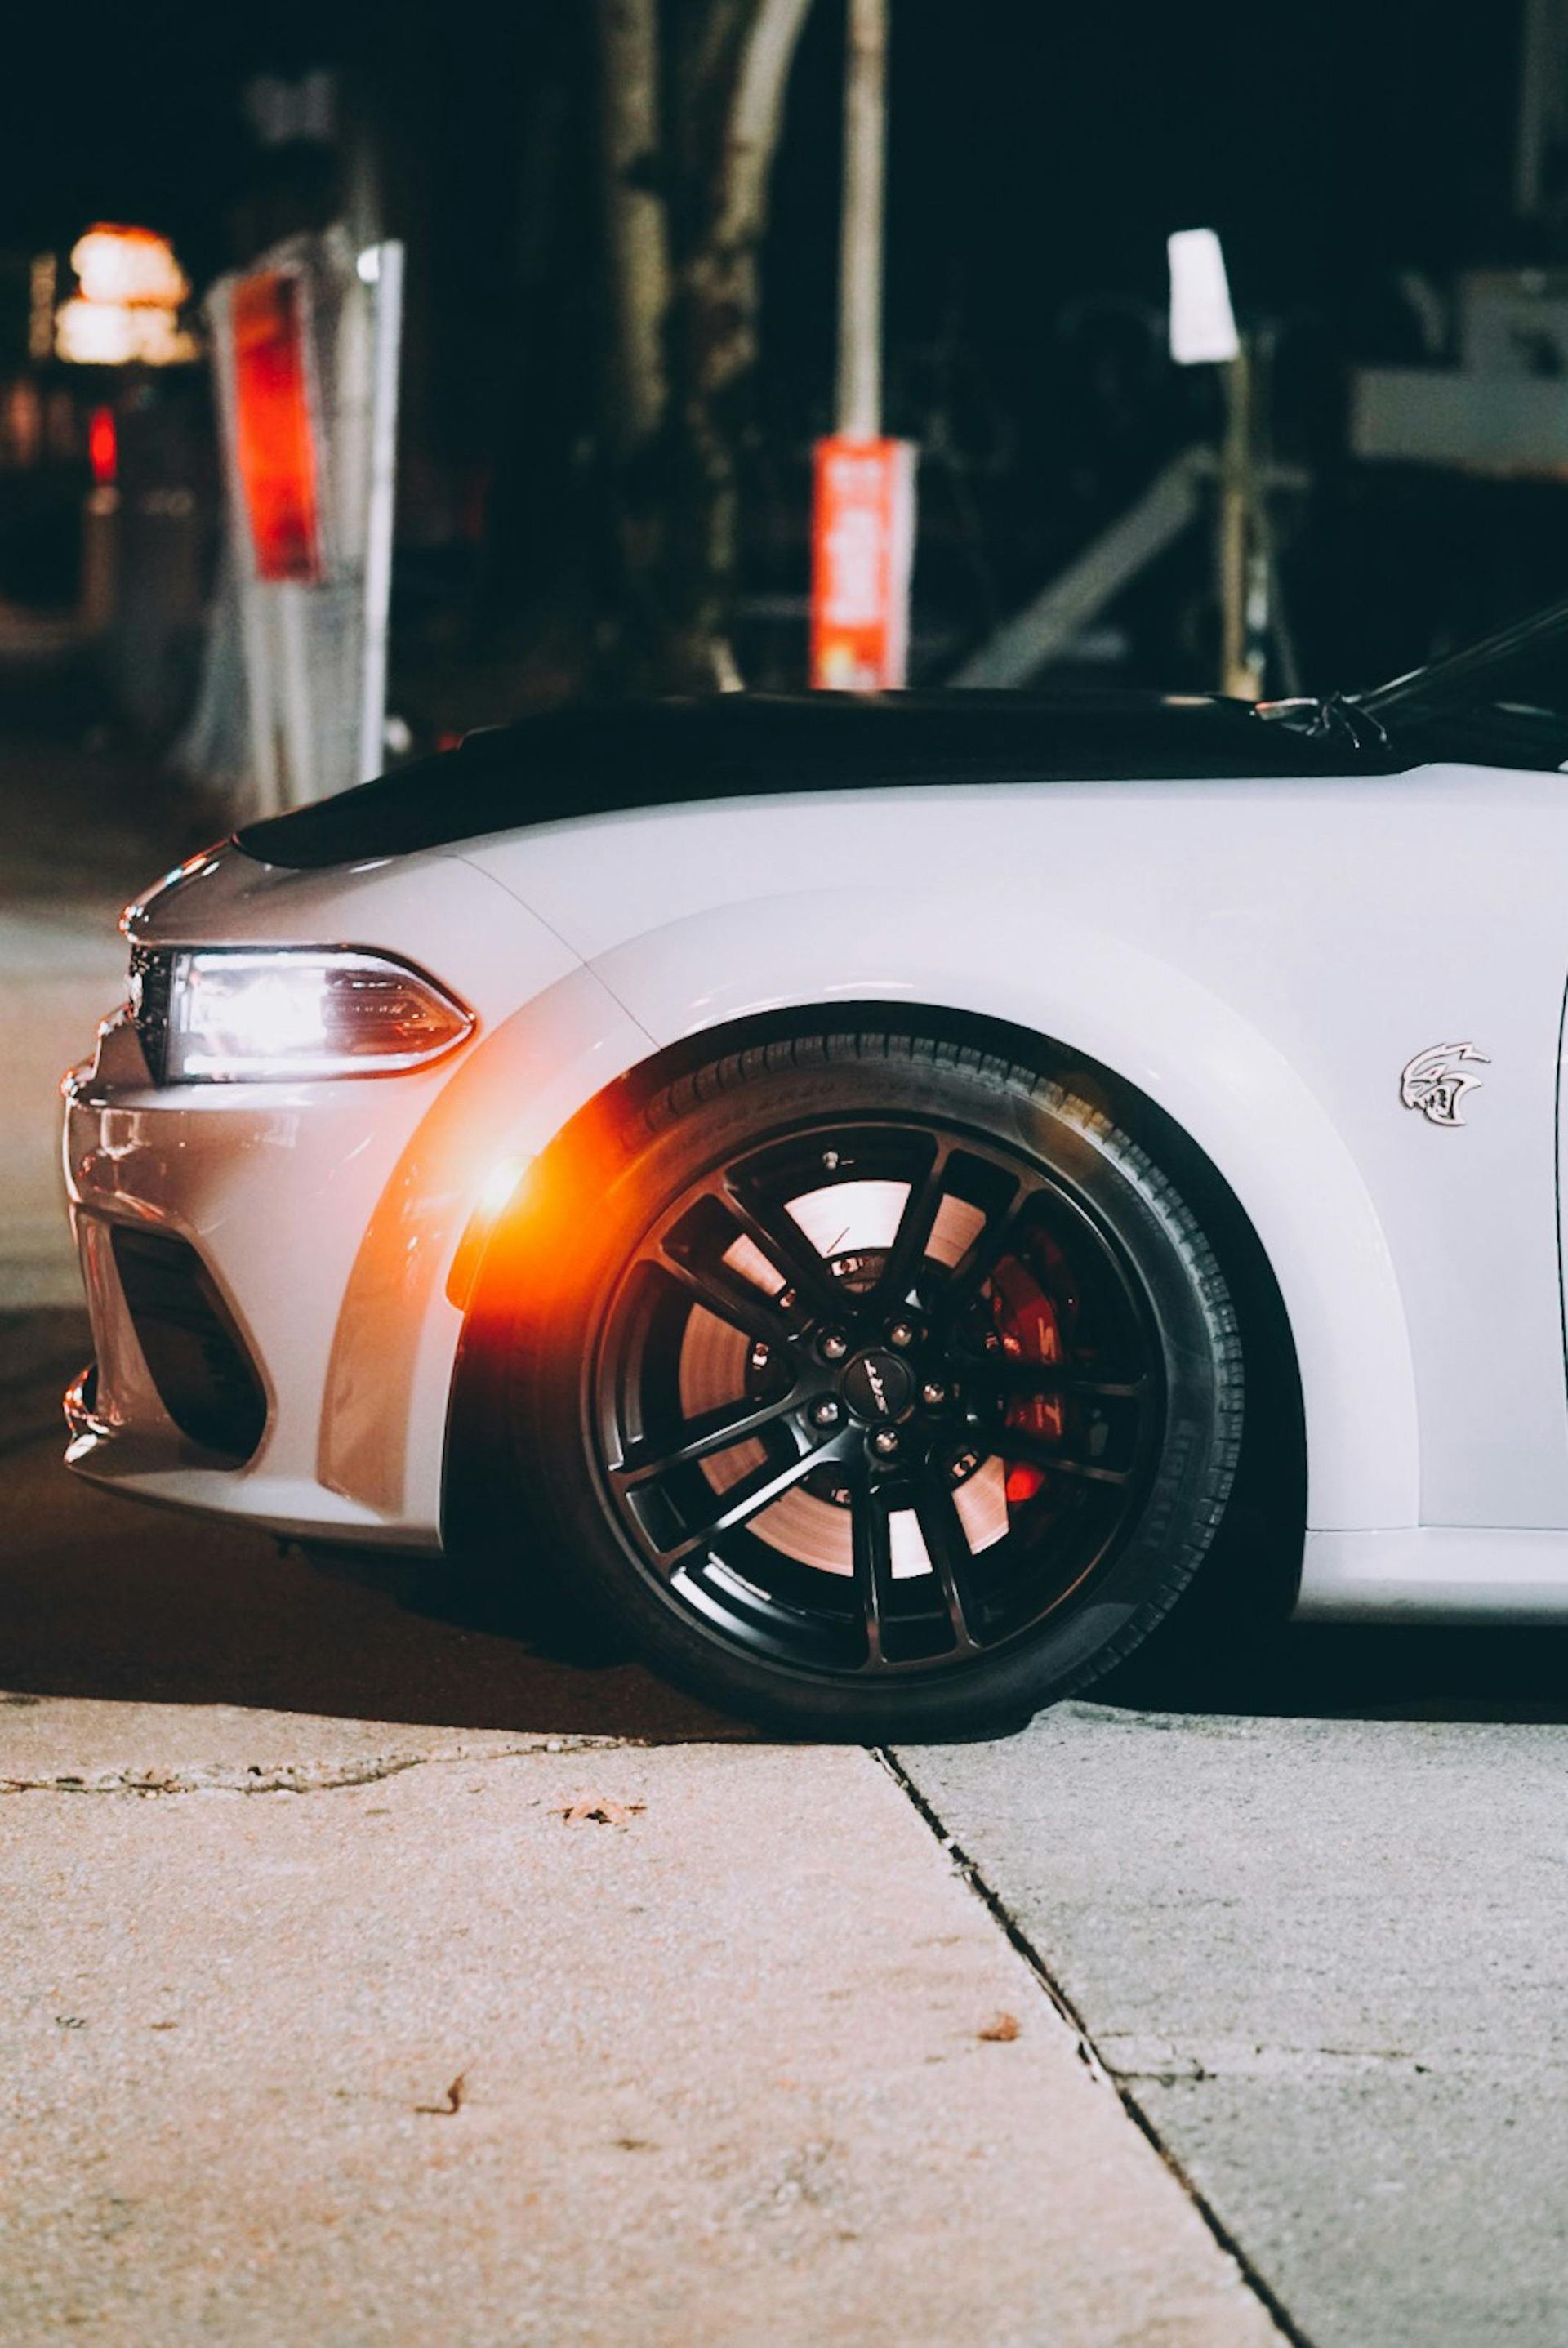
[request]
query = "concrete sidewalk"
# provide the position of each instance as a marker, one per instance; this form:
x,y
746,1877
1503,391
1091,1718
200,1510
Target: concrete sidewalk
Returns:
x,y
665,2044
365,1978
1329,1958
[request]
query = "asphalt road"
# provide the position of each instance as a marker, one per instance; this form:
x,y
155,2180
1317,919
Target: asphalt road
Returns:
x,y
727,2052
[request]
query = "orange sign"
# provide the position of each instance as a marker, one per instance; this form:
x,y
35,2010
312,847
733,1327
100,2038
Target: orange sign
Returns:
x,y
274,436
862,549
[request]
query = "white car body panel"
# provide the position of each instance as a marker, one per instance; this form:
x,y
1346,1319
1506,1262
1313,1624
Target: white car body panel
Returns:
x,y
1469,1573
1261,958
1269,1006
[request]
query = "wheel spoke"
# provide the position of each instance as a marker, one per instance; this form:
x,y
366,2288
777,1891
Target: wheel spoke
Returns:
x,y
873,1566
952,1559
744,1307
915,1224
702,1438
746,1500
769,1229
990,1244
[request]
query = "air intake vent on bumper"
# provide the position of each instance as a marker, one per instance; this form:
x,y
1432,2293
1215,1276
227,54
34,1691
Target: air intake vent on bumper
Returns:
x,y
195,1356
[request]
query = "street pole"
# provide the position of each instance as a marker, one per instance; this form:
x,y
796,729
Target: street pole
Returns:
x,y
1203,333
860,233
1243,626
862,520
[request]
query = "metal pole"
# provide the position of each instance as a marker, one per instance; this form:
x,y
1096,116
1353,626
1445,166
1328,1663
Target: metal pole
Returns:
x,y
386,304
266,778
1235,500
860,234
1534,105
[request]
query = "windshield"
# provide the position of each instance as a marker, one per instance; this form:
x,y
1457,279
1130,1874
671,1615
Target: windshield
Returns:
x,y
1503,702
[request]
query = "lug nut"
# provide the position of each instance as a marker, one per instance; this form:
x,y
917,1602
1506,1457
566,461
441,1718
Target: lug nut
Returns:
x,y
760,1358
834,1347
825,1413
901,1333
964,1465
885,1443
932,1395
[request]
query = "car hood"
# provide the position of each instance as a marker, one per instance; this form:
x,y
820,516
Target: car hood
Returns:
x,y
562,765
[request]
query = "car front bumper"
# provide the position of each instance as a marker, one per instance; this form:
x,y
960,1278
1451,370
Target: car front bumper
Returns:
x,y
269,1201
315,1227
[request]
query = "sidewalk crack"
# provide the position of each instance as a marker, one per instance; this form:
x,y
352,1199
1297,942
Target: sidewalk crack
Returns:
x,y
306,1777
1120,2085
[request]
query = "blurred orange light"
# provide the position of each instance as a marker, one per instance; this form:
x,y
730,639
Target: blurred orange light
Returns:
x,y
503,1178
114,334
126,313
496,1192
134,266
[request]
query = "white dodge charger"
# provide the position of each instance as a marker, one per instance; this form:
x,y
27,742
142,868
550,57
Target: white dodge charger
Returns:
x,y
871,1193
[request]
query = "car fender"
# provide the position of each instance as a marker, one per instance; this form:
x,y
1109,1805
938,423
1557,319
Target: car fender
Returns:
x,y
389,1374
1093,993
1196,1054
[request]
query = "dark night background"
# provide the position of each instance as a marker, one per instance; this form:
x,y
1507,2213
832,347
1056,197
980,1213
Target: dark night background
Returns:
x,y
1038,156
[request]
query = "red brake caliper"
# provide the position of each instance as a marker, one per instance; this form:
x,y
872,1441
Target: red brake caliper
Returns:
x,y
1026,1322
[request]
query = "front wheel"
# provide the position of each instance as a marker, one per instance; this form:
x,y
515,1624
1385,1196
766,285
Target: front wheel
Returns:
x,y
874,1386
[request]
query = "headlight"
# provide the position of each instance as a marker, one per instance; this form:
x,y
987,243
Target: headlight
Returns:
x,y
228,1015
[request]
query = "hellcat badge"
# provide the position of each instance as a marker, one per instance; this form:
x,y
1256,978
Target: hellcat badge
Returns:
x,y
1436,1081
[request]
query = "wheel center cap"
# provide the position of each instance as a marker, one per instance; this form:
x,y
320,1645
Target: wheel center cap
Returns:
x,y
878,1388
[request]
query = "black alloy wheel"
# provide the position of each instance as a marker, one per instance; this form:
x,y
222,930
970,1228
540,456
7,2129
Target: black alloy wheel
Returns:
x,y
894,1452
886,1388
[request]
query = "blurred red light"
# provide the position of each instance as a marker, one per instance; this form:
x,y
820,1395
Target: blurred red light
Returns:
x,y
103,448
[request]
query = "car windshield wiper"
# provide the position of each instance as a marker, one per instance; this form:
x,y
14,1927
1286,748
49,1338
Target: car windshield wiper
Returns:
x,y
1328,718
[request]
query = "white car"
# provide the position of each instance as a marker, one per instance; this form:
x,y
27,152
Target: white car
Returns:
x,y
864,1190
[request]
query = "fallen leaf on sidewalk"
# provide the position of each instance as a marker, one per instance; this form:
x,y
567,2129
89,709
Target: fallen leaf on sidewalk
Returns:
x,y
598,1809
454,2102
1001,2029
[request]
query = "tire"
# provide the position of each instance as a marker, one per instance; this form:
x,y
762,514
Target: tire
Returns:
x,y
870,1386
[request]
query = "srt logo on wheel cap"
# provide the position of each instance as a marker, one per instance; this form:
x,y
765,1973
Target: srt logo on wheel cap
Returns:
x,y
878,1388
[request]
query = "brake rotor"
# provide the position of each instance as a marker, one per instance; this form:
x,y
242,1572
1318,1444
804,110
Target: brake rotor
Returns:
x,y
852,1224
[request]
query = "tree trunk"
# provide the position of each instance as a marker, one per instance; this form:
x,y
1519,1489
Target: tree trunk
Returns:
x,y
686,306
718,318
636,228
